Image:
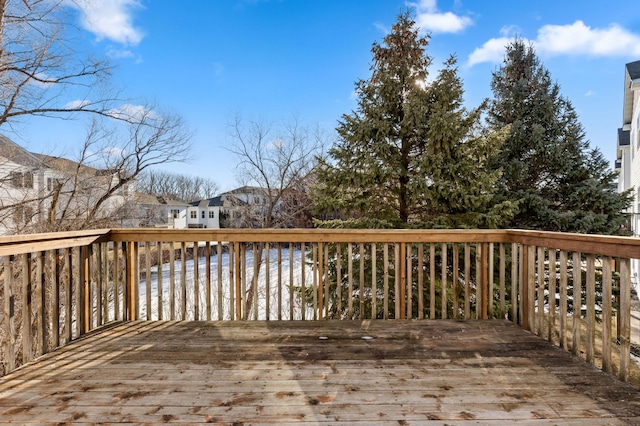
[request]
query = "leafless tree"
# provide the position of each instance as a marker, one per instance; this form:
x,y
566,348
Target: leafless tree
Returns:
x,y
274,163
42,73
177,186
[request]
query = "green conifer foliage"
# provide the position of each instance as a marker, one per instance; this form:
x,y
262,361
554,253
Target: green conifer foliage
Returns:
x,y
411,155
548,169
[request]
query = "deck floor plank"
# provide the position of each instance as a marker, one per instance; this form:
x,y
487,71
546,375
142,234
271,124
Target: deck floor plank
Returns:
x,y
328,372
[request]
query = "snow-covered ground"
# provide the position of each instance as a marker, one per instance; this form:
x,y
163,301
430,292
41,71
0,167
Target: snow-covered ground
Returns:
x,y
283,270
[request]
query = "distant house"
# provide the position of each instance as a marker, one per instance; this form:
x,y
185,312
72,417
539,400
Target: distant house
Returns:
x,y
242,207
25,180
160,212
41,192
204,213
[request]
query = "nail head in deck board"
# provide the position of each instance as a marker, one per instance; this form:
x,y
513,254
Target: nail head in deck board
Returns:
x,y
277,372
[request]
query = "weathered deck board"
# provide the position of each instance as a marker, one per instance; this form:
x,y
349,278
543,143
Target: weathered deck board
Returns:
x,y
408,372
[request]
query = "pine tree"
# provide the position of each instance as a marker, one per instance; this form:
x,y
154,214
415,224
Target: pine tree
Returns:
x,y
558,182
411,154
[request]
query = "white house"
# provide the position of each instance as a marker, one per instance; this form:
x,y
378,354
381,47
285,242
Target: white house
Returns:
x,y
23,178
161,212
628,148
242,207
35,189
204,213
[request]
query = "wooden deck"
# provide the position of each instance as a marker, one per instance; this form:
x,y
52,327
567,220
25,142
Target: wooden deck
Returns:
x,y
331,372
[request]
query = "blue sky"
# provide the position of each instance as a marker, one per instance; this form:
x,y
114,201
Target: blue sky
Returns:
x,y
270,60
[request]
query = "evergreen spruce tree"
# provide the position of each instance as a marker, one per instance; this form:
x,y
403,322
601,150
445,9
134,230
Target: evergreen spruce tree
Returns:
x,y
411,154
548,169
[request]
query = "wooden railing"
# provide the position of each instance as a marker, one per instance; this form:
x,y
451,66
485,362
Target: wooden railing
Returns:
x,y
571,289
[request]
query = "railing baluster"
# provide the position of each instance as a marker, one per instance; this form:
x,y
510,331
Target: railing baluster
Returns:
x,y
385,278
183,280
577,302
432,281
320,266
490,271
159,281
361,282
116,282
514,282
467,280
55,290
219,272
420,281
564,258
26,307
625,319
443,278
267,282
9,314
303,278
502,272
196,281
147,279
280,283
172,281
456,278
607,314
68,310
41,308
591,308
540,295
552,292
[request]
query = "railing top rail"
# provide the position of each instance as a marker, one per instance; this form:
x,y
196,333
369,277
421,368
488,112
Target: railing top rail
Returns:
x,y
311,235
615,246
19,244
628,247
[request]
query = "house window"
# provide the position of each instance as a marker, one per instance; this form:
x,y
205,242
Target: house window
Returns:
x,y
21,180
175,213
194,214
203,214
212,215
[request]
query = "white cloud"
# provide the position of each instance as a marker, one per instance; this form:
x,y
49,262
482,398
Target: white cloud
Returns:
x,y
590,93
429,18
492,51
77,104
135,113
580,39
573,39
109,19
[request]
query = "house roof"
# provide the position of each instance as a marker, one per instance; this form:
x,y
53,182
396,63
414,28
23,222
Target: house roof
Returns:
x,y
66,165
632,74
209,202
151,199
17,154
633,69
